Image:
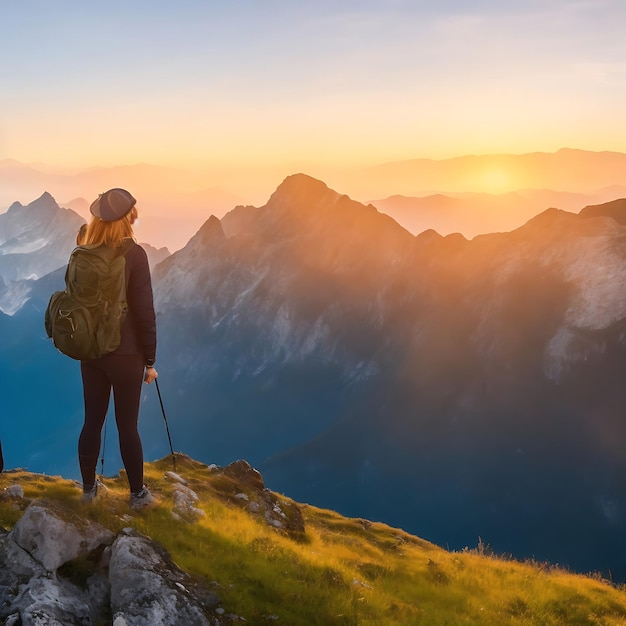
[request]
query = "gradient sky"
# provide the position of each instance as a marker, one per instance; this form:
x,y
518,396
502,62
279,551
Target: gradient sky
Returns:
x,y
246,83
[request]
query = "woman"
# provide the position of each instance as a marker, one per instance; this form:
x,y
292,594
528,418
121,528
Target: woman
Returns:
x,y
124,369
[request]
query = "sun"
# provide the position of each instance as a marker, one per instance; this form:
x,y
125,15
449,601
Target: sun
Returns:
x,y
496,180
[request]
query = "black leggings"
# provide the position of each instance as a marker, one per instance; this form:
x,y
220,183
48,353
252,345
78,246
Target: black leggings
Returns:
x,y
123,374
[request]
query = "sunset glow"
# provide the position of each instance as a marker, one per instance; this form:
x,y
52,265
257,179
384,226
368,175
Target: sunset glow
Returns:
x,y
239,95
335,84
498,180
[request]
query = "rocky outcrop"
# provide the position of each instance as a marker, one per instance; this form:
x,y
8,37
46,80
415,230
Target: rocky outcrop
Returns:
x,y
146,588
57,568
244,485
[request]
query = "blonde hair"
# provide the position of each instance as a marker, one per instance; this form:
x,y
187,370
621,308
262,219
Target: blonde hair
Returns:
x,y
80,235
110,234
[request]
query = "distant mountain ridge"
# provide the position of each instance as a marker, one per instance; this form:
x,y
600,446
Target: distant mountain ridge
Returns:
x,y
175,202
567,169
171,201
479,213
35,240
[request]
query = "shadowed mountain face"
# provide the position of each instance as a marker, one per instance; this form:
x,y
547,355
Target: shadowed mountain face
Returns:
x,y
458,389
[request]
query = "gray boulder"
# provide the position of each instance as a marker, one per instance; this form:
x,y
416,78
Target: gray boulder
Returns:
x,y
52,540
147,588
60,569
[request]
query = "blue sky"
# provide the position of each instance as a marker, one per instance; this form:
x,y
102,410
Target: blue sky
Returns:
x,y
248,83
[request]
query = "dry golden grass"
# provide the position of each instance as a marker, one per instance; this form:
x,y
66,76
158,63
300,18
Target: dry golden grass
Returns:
x,y
341,571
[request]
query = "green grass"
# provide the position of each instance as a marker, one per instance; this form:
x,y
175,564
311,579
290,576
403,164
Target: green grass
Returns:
x,y
343,572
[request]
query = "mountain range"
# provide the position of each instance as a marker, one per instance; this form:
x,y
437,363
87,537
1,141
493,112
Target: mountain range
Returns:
x,y
473,214
567,169
455,388
461,194
34,239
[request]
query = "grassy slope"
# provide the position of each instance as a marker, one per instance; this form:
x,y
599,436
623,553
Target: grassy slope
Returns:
x,y
342,571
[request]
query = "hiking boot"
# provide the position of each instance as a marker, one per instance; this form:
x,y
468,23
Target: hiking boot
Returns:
x,y
143,498
89,495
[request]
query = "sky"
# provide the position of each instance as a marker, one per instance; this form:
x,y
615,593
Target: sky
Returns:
x,y
290,84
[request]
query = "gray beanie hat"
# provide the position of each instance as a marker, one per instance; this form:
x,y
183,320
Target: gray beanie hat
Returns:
x,y
112,205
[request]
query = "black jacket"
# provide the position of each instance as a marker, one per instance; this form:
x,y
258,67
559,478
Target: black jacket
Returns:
x,y
139,327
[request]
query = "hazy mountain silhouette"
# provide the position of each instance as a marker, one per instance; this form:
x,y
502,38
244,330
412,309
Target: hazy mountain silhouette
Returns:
x,y
571,170
175,202
474,214
615,210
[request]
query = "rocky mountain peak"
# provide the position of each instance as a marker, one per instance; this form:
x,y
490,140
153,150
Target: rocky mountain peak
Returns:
x,y
301,202
15,206
45,203
239,219
301,190
34,240
46,198
329,225
615,209
210,233
548,218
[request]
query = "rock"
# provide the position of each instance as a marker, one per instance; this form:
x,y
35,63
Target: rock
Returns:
x,y
53,602
58,569
185,500
43,579
15,491
176,477
147,588
53,541
257,500
244,474
23,565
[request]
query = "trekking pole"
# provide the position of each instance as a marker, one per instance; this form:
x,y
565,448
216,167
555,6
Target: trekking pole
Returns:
x,y
104,446
167,428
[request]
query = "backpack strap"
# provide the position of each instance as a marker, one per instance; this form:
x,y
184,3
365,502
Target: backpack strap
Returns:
x,y
126,245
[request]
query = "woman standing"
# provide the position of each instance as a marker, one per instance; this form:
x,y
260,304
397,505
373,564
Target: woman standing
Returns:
x,y
124,369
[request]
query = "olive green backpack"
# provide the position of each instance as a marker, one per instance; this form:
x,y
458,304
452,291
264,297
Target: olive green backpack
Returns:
x,y
84,321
